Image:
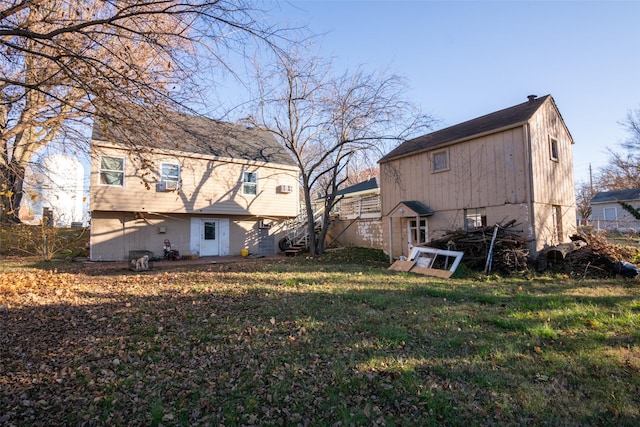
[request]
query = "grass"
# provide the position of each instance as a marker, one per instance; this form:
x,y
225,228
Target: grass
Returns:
x,y
339,341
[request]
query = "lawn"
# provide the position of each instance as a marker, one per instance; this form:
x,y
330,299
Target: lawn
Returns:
x,y
340,341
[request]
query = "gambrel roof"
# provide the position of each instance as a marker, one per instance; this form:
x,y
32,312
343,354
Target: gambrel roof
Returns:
x,y
192,134
615,196
493,122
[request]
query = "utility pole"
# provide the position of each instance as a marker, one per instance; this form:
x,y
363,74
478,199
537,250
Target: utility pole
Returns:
x,y
590,179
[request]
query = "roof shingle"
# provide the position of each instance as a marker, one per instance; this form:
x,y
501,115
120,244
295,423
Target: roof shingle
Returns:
x,y
193,134
512,116
614,196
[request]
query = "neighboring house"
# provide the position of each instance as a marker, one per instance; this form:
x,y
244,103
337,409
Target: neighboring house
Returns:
x,y
358,214
514,163
54,192
608,214
209,188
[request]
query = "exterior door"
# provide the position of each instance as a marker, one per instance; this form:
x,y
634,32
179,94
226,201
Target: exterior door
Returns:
x,y
417,232
209,243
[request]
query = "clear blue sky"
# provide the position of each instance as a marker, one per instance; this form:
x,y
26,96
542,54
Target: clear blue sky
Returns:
x,y
464,59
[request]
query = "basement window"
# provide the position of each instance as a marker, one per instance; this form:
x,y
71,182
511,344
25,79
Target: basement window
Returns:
x,y
475,218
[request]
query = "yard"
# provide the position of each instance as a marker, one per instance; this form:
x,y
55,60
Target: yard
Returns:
x,y
340,341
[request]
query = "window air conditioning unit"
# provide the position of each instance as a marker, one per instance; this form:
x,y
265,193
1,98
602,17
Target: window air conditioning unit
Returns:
x,y
164,186
286,188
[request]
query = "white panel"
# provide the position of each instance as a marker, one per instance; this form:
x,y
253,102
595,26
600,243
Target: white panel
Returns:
x,y
224,236
194,236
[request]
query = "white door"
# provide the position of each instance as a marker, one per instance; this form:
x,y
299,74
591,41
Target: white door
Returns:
x,y
209,243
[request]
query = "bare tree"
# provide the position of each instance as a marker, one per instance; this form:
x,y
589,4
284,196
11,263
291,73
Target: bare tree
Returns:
x,y
66,60
623,169
584,193
325,122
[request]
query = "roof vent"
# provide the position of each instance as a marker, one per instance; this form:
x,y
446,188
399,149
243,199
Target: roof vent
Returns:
x,y
532,97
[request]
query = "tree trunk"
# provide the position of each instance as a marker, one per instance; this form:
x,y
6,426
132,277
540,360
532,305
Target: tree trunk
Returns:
x,y
11,180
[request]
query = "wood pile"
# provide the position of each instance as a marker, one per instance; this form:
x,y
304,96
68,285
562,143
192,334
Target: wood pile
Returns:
x,y
594,256
510,252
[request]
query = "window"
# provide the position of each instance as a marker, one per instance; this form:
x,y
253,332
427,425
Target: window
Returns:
x,y
553,148
209,230
112,171
169,172
557,223
610,214
250,183
418,231
474,218
439,161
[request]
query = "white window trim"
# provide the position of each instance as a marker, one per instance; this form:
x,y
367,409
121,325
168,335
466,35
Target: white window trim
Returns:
x,y
254,184
163,178
446,168
100,171
554,141
608,209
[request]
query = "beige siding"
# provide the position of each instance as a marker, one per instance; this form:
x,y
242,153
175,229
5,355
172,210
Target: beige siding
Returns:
x,y
489,171
509,173
208,186
365,233
115,234
552,179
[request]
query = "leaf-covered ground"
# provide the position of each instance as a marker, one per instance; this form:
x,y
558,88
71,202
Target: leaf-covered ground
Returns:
x,y
300,342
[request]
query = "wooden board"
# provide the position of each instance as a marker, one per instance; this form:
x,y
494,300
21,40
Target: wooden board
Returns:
x,y
402,265
445,274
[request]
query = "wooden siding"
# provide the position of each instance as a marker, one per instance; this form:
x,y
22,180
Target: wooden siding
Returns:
x,y
509,173
489,171
552,179
208,186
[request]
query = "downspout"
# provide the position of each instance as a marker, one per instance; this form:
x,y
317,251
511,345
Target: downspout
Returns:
x,y
530,193
390,240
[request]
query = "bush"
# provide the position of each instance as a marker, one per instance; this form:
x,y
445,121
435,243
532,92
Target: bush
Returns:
x,y
44,242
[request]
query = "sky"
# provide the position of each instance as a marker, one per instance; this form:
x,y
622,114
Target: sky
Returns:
x,y
464,59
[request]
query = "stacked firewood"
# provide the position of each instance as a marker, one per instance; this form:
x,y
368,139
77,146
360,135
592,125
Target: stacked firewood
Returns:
x,y
508,254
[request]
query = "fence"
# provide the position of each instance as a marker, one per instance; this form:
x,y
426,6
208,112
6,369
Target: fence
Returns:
x,y
623,226
360,207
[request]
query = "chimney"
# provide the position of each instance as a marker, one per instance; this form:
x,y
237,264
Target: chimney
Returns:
x,y
532,98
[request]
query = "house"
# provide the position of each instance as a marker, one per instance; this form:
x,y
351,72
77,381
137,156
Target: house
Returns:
x,y
205,187
607,212
358,216
54,184
513,164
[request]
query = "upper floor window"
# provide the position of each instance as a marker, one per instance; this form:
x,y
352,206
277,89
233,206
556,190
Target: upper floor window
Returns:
x,y
112,171
553,149
169,172
250,183
440,161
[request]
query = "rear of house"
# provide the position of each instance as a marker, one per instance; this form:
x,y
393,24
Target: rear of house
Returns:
x,y
205,187
513,164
